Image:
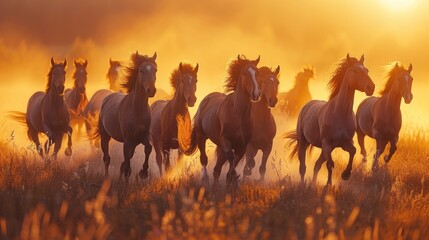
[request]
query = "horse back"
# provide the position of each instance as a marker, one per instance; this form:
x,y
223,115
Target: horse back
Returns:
x,y
109,115
207,117
308,125
34,111
94,105
364,115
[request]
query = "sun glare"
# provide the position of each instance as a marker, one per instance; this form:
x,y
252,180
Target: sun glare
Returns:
x,y
398,4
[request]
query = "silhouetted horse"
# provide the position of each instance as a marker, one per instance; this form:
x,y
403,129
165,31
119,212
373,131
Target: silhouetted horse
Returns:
x,y
332,124
76,98
47,112
264,125
380,117
224,119
126,117
93,107
164,112
292,101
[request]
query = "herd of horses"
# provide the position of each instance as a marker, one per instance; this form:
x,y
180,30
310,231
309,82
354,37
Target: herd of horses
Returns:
x,y
239,121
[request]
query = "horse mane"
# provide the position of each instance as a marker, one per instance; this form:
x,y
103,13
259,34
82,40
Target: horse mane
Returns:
x,y
264,71
79,62
334,84
131,72
234,69
175,75
394,70
300,73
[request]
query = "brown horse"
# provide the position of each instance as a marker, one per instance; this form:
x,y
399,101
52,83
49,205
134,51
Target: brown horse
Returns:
x,y
224,119
332,124
164,112
93,107
126,117
292,101
264,125
76,98
47,112
380,117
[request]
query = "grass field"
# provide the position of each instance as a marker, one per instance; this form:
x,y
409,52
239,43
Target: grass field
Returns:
x,y
66,200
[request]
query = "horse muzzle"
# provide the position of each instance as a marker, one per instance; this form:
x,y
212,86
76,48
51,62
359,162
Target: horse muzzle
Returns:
x,y
370,88
408,98
256,95
151,92
190,101
272,102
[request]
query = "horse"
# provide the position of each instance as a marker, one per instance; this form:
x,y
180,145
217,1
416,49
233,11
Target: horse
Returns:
x,y
90,113
75,97
292,101
224,119
331,124
47,113
264,125
126,117
164,112
380,117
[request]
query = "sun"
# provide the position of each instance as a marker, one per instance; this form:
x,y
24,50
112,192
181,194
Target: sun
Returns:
x,y
398,4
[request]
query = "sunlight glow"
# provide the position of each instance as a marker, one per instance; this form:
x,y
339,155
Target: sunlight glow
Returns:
x,y
398,4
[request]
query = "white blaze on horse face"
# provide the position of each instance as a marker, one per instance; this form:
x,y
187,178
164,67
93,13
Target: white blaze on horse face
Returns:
x,y
272,79
148,67
253,74
117,69
361,66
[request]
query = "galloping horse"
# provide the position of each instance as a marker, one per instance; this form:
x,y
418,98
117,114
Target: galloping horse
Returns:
x,y
47,112
165,112
264,125
93,107
224,119
380,117
76,98
126,117
292,101
332,124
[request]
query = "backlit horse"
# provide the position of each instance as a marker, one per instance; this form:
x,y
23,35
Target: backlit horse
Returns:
x,y
264,125
225,119
164,112
332,124
75,97
292,101
126,117
380,117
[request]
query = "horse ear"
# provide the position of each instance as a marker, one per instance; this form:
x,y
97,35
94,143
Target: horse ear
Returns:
x,y
65,62
396,65
348,57
180,66
85,63
75,63
277,71
110,61
410,68
362,58
154,56
238,57
137,53
196,68
257,60
52,61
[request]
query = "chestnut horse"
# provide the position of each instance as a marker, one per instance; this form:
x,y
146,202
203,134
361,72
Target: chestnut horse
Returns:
x,y
224,119
292,101
47,112
332,124
126,117
93,107
380,117
76,98
164,112
264,125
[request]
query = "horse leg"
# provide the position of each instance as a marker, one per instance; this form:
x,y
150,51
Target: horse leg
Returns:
x,y
147,150
232,176
317,166
381,145
203,157
361,141
129,148
166,152
250,160
158,153
265,154
226,146
326,151
58,141
105,138
302,148
68,150
348,147
34,136
220,161
392,150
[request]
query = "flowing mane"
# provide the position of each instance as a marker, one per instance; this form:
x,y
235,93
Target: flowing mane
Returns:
x,y
132,71
234,69
301,74
78,63
175,75
334,84
264,71
391,74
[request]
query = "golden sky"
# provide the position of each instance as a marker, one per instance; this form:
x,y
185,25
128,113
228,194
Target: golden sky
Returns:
x,y
286,33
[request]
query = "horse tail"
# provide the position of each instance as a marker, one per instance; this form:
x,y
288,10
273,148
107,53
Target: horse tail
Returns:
x,y
94,130
292,142
18,117
186,135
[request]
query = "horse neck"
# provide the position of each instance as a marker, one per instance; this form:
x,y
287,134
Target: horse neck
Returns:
x,y
139,97
242,104
343,101
393,99
77,97
261,108
54,97
179,103
112,82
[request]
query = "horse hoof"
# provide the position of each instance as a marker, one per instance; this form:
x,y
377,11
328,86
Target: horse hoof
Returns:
x,y
386,159
247,171
232,178
346,175
364,160
143,174
68,151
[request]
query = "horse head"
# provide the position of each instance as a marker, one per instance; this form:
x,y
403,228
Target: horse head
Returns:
x,y
80,75
405,82
188,84
269,85
306,74
147,74
249,78
359,78
58,76
113,73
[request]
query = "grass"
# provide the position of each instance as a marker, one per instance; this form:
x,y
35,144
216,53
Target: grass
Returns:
x,y
65,200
